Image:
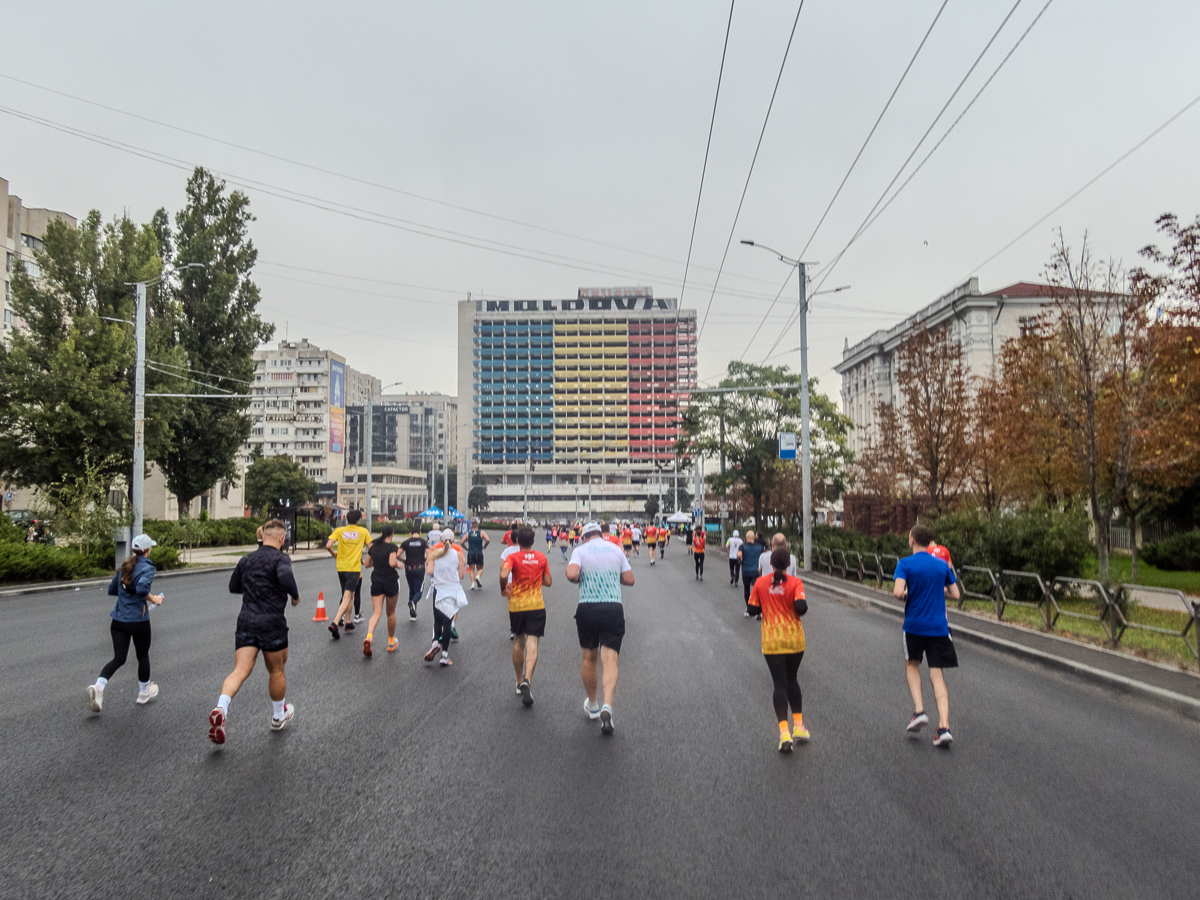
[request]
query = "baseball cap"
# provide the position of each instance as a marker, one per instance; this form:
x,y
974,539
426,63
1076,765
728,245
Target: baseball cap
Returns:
x,y
735,533
143,542
448,534
591,528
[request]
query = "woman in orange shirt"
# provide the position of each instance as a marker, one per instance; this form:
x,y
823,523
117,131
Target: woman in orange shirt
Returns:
x,y
697,548
780,596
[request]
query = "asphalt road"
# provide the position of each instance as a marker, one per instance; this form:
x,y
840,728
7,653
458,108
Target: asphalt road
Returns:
x,y
398,779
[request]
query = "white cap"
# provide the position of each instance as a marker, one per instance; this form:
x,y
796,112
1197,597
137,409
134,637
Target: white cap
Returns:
x,y
591,528
143,542
735,533
448,534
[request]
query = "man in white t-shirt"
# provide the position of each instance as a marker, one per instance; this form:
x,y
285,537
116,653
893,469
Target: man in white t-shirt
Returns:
x,y
733,545
637,539
778,542
599,567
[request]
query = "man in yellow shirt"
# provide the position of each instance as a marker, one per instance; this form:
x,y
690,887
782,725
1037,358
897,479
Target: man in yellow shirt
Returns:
x,y
351,541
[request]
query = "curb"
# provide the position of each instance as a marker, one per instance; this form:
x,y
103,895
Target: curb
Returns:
x,y
1170,700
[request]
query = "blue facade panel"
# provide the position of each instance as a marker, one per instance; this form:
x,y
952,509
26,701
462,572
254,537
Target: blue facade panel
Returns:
x,y
513,392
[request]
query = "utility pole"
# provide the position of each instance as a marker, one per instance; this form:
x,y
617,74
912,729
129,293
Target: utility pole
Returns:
x,y
805,449
723,466
368,446
525,508
589,476
139,411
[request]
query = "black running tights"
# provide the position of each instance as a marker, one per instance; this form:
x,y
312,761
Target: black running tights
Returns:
x,y
784,667
735,568
122,634
699,564
416,580
442,625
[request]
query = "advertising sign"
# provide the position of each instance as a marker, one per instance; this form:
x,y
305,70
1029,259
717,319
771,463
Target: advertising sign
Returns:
x,y
787,445
337,406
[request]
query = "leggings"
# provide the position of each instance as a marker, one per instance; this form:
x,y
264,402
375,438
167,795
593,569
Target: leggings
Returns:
x,y
747,587
699,564
416,579
122,633
735,568
358,597
784,667
442,626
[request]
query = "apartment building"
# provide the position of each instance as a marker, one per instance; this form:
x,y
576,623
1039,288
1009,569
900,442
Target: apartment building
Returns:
x,y
25,228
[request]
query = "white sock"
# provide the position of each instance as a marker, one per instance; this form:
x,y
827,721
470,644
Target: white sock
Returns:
x,y
445,655
143,687
279,708
223,703
101,682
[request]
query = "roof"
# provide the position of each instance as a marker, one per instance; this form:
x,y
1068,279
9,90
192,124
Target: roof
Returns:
x,y
1024,289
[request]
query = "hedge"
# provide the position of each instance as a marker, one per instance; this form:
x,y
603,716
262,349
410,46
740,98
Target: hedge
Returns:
x,y
21,563
1178,553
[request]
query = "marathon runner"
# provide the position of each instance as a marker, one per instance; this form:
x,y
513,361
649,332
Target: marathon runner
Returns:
x,y
687,538
780,600
413,552
265,581
385,586
651,541
351,541
637,538
664,538
130,622
522,577
697,547
734,545
476,542
778,542
563,533
748,555
627,540
924,582
446,568
599,569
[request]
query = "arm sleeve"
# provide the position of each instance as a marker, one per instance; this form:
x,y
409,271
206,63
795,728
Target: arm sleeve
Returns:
x,y
950,579
901,570
235,580
283,574
801,606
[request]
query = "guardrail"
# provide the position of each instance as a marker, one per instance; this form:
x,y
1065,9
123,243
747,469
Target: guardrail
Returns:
x,y
1045,597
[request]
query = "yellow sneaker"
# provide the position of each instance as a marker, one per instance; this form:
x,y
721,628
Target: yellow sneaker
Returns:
x,y
785,742
800,733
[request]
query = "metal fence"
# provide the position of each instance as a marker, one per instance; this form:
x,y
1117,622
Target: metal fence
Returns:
x,y
1120,535
1008,587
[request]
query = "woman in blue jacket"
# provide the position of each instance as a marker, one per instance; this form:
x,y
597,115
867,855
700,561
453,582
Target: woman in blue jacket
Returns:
x,y
130,622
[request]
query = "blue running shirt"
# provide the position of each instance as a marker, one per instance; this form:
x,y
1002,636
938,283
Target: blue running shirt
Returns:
x,y
927,578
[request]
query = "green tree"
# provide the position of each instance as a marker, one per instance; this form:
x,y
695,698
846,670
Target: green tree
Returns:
x,y
218,330
272,479
478,500
651,507
66,380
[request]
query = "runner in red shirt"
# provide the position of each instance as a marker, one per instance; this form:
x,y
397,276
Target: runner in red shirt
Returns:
x,y
780,596
698,542
651,541
530,572
941,553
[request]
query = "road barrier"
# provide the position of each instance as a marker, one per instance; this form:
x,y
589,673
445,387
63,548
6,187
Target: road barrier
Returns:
x,y
1112,605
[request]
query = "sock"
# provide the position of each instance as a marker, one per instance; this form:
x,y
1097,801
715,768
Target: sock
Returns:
x,y
369,635
783,728
101,682
223,703
279,710
143,687
798,718
445,655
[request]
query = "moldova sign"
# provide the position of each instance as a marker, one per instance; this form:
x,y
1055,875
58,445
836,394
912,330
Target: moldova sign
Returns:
x,y
787,445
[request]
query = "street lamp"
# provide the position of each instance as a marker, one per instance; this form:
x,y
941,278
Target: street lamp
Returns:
x,y
806,449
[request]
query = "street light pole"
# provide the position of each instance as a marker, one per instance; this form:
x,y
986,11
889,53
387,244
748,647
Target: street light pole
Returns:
x,y
139,410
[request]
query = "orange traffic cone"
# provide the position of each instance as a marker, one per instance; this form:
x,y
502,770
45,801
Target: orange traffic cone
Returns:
x,y
320,616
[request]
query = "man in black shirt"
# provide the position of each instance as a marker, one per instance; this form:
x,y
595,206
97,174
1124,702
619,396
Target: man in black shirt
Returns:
x,y
265,581
412,552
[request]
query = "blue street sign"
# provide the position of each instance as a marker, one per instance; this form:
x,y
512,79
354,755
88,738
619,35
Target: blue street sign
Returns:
x,y
787,445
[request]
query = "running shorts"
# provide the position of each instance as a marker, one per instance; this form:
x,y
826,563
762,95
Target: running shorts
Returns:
x,y
528,621
600,625
268,640
387,586
475,559
349,580
938,650
635,543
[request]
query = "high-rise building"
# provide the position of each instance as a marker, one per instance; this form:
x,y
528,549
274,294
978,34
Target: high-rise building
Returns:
x,y
410,432
25,228
574,403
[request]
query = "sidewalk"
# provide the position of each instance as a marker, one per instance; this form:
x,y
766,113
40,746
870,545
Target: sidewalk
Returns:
x,y
221,556
1165,685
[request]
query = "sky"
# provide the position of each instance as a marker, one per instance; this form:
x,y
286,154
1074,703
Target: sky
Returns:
x,y
399,156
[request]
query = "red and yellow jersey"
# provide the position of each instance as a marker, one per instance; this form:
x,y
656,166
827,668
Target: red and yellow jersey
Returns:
x,y
651,535
627,537
525,589
698,543
611,538
940,552
782,631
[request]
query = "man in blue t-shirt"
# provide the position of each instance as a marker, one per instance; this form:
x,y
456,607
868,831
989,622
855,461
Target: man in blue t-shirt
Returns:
x,y
924,582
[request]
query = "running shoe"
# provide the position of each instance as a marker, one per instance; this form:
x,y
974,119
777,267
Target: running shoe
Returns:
x,y
592,709
433,651
95,698
333,629
151,693
445,661
216,726
785,742
943,738
606,722
918,721
279,724
526,693
512,635
349,626
359,619
746,614
518,689
453,633
367,647
479,583
392,644
412,611
800,733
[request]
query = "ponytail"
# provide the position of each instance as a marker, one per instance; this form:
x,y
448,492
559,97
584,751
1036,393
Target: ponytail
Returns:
x,y
441,550
127,567
780,560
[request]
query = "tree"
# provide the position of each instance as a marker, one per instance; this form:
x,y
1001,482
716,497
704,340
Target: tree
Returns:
x,y
218,330
651,506
478,500
274,479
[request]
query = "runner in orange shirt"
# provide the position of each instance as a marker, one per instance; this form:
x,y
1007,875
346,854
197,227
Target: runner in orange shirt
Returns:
x,y
530,571
698,542
627,540
780,596
651,541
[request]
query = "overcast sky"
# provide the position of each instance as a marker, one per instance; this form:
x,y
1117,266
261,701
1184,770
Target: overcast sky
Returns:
x,y
586,124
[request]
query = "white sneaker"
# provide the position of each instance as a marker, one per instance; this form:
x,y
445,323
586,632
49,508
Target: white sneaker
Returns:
x,y
359,618
151,693
289,710
95,698
518,688
592,709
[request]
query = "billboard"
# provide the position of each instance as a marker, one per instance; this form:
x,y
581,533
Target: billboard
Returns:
x,y
337,406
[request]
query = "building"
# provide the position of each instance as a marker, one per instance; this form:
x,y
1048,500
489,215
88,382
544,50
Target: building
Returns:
x,y
574,402
412,432
395,492
981,323
25,228
301,393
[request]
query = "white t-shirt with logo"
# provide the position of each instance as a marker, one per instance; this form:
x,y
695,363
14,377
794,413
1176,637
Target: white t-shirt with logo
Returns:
x,y
637,534
764,565
600,564
735,544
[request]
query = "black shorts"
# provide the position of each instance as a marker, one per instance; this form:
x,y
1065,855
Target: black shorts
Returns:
x,y
475,559
268,641
938,650
600,625
388,588
349,581
637,543
528,621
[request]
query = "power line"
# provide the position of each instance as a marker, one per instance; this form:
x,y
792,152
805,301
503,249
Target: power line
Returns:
x,y
190,370
753,160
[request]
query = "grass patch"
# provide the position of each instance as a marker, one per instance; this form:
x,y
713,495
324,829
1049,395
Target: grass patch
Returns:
x,y
1120,568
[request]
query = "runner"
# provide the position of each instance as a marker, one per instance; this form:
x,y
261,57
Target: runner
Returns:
x,y
936,549
130,622
265,581
696,546
748,555
734,545
504,555
522,577
600,617
446,568
651,541
627,540
476,542
385,586
687,539
778,542
780,600
413,551
351,541
563,535
924,582
637,538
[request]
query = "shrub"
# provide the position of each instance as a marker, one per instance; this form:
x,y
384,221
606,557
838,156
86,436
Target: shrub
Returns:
x,y
38,562
1178,553
312,530
846,539
10,531
165,557
1036,539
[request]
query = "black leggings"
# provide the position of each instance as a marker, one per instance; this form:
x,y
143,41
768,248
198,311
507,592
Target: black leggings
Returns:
x,y
122,634
735,568
699,563
442,627
416,580
358,597
747,587
784,667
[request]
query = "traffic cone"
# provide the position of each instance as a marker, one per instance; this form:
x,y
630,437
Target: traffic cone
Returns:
x,y
320,616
